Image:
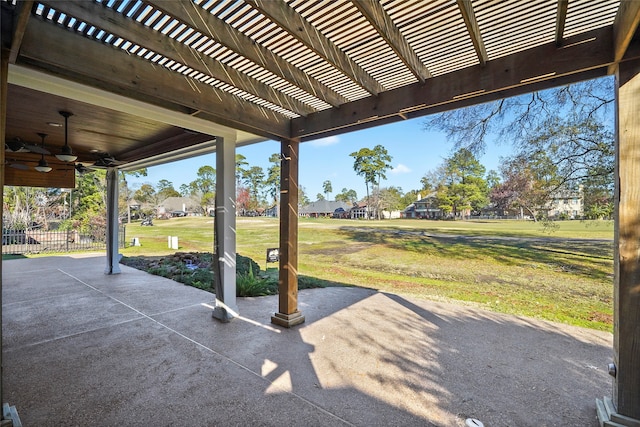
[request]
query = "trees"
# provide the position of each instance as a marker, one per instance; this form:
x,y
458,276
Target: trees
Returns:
x,y
391,199
347,196
527,184
254,178
272,181
203,188
572,125
164,190
372,165
460,184
303,199
326,188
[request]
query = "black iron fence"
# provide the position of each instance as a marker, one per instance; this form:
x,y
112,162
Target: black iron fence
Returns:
x,y
40,241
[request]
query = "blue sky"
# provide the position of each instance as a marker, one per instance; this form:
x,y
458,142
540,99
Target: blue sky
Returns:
x,y
414,152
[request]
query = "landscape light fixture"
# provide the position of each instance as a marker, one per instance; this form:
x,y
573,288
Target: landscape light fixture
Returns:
x,y
66,154
43,166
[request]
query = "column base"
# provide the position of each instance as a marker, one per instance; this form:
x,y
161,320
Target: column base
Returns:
x,y
287,320
224,314
609,417
10,416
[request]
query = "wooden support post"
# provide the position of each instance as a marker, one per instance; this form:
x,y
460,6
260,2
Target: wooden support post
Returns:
x,y
4,72
626,391
288,314
225,231
113,258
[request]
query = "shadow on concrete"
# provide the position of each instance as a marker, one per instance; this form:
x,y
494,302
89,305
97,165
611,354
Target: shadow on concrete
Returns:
x,y
82,348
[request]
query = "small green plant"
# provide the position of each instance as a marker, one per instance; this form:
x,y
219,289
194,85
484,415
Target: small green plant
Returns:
x,y
248,285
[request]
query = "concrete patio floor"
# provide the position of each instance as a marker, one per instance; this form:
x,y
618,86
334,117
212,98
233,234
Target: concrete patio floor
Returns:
x,y
85,349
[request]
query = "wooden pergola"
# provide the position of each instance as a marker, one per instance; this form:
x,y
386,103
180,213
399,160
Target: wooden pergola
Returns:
x,y
151,81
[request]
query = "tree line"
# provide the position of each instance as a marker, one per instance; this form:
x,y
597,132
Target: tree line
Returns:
x,y
562,138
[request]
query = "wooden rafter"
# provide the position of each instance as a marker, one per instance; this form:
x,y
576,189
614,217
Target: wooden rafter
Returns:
x,y
381,21
65,53
188,12
21,26
469,16
561,18
296,25
117,24
625,27
517,72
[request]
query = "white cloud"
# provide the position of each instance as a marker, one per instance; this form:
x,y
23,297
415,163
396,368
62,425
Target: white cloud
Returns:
x,y
400,169
324,142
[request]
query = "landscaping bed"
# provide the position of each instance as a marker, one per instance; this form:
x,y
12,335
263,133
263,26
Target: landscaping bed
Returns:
x,y
195,269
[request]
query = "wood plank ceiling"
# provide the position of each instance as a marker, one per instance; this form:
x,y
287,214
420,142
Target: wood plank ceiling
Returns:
x,y
275,69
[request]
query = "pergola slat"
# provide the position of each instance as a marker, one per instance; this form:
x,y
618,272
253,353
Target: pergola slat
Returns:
x,y
222,33
376,15
116,23
108,68
466,9
561,18
288,19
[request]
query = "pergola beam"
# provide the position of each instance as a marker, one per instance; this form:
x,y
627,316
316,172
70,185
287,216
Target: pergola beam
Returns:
x,y
20,28
287,18
104,67
561,18
373,11
196,17
625,26
503,77
116,23
469,16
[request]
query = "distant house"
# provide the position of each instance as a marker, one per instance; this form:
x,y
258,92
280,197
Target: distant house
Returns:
x,y
272,211
566,203
174,206
425,208
359,211
322,208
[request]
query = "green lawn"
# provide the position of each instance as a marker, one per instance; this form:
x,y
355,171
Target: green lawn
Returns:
x,y
520,267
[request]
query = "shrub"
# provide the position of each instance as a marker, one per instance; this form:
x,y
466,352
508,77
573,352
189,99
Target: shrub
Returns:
x,y
248,285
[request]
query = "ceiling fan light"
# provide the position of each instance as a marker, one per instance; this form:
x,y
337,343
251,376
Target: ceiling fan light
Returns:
x,y
66,155
43,166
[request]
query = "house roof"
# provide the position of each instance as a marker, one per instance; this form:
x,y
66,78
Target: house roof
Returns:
x,y
323,207
178,203
150,81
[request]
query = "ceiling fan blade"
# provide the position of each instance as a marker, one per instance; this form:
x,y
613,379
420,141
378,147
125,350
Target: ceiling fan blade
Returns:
x,y
36,149
20,166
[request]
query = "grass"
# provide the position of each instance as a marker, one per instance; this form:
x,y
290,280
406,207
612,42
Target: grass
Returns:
x,y
516,267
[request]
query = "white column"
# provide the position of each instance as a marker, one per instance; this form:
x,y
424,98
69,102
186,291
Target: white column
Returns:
x,y
225,231
113,258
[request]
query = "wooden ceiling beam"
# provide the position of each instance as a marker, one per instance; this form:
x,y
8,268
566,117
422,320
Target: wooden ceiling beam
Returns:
x,y
20,27
469,16
373,11
67,54
163,146
625,26
198,18
561,18
113,22
295,24
510,75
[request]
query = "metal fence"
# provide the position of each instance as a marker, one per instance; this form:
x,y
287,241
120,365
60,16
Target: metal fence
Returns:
x,y
40,241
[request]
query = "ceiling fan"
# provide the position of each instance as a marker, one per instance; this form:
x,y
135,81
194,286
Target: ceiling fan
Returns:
x,y
105,160
17,145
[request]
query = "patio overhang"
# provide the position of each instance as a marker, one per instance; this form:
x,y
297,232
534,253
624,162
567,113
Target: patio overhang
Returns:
x,y
150,81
